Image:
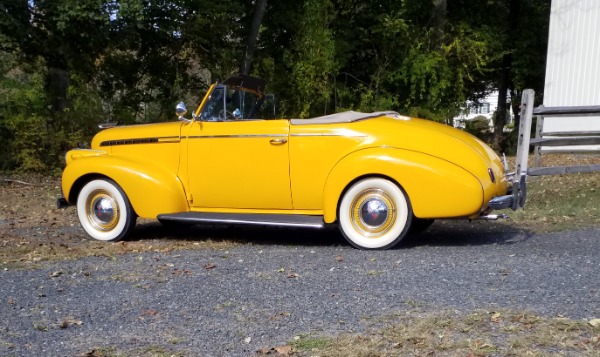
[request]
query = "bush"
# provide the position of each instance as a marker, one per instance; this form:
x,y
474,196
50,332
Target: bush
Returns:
x,y
479,127
34,139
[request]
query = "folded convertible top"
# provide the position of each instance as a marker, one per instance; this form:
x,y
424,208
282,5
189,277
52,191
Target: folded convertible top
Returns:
x,y
346,117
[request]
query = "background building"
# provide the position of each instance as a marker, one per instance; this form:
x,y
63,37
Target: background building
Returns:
x,y
573,63
485,107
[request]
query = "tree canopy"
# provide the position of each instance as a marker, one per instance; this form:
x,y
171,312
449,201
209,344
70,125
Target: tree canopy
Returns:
x,y
68,65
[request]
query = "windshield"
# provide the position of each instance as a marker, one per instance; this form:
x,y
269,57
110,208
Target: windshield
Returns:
x,y
230,103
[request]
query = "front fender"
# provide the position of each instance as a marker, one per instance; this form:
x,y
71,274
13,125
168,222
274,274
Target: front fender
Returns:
x,y
436,188
151,189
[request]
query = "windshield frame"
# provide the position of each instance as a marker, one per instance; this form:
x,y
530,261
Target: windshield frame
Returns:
x,y
230,103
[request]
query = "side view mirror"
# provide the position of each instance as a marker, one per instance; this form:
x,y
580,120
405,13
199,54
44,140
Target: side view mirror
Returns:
x,y
180,110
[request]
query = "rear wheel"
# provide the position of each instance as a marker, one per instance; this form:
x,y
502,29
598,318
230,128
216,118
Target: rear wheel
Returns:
x,y
104,210
374,214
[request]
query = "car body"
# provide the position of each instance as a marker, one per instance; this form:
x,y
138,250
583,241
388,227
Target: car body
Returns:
x,y
374,174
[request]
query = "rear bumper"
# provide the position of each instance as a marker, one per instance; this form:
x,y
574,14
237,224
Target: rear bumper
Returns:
x,y
514,200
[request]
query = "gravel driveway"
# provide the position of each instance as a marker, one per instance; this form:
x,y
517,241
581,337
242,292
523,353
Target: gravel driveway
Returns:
x,y
233,302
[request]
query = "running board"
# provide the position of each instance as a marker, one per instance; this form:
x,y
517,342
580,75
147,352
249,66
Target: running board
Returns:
x,y
279,220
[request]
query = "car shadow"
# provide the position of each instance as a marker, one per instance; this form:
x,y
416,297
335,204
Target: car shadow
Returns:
x,y
467,233
441,233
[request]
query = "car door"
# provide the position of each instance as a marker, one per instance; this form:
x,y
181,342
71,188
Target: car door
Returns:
x,y
239,164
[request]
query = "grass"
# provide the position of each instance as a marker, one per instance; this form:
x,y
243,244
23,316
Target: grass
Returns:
x,y
454,333
563,202
148,351
309,343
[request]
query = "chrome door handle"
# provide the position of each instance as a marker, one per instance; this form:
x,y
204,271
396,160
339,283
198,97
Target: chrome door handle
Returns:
x,y
278,141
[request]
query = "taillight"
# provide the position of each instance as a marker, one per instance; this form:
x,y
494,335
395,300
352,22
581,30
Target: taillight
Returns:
x,y
492,176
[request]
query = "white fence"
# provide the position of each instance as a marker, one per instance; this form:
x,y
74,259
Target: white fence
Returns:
x,y
549,143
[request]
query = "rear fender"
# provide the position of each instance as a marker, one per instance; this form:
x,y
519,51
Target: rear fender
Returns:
x,y
436,188
151,189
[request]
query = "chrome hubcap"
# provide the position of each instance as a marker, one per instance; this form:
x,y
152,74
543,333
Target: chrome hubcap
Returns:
x,y
373,213
102,210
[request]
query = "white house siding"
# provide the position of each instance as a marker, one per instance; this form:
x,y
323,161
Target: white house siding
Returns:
x,y
473,110
573,63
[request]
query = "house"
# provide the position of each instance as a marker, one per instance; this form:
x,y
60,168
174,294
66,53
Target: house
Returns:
x,y
485,107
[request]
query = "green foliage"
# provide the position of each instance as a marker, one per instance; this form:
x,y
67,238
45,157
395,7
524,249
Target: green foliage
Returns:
x,y
34,139
311,61
479,127
23,97
68,65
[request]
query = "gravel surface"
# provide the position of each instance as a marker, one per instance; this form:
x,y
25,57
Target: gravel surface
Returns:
x,y
232,302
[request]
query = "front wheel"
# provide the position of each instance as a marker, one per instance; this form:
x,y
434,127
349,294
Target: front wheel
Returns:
x,y
104,210
374,214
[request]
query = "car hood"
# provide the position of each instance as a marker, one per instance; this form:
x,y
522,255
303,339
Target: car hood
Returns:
x,y
137,134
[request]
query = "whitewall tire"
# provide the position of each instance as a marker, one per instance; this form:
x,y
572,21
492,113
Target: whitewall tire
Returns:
x,y
374,214
104,210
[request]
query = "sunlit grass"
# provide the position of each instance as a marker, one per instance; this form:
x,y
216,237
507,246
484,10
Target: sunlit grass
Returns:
x,y
454,333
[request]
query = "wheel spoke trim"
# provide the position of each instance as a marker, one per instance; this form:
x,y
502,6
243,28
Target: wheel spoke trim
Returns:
x,y
102,210
373,213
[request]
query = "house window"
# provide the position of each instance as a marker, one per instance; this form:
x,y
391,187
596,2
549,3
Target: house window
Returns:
x,y
480,108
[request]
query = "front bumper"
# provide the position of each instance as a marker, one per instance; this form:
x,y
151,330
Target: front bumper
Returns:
x,y
61,202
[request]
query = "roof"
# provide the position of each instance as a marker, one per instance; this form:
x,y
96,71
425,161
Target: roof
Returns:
x,y
245,81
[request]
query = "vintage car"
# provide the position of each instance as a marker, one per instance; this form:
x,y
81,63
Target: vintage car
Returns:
x,y
376,175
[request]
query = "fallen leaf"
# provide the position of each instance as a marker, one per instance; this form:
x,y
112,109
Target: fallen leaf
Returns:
x,y
56,274
339,258
279,350
594,322
265,351
150,312
93,353
284,350
11,301
209,266
69,321
292,276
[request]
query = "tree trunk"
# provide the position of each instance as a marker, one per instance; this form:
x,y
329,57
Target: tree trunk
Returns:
x,y
259,11
439,20
57,82
500,119
505,79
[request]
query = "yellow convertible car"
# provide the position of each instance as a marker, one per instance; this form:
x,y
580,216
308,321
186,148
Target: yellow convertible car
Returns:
x,y
377,175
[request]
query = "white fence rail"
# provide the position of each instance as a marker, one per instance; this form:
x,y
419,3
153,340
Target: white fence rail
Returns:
x,y
544,143
549,143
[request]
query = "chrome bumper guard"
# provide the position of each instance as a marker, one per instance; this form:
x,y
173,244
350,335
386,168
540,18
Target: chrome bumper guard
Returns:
x,y
501,202
516,198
